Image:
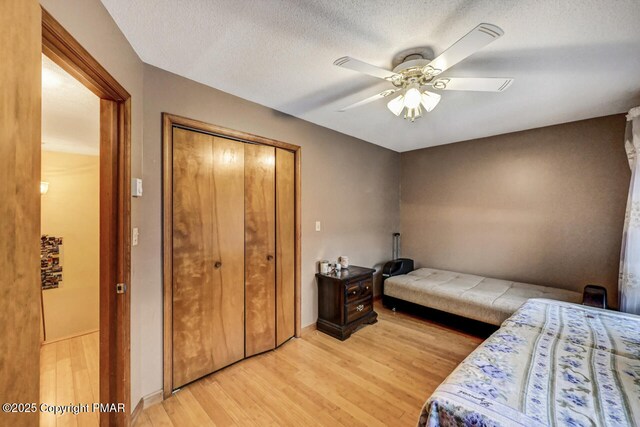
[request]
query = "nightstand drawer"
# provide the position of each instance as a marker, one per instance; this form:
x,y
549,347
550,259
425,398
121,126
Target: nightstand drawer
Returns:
x,y
353,292
366,288
356,310
359,290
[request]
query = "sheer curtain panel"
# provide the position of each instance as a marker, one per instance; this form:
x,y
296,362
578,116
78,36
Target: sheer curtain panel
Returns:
x,y
629,283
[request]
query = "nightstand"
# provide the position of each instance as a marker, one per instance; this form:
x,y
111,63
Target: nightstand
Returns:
x,y
345,301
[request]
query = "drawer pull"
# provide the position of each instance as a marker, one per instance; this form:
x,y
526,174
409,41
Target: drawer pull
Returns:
x,y
360,307
354,292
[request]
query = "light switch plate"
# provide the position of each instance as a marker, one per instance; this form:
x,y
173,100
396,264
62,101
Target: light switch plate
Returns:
x,y
136,187
318,227
135,234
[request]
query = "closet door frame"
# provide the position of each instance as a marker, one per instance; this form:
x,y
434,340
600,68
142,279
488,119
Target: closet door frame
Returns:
x,y
169,121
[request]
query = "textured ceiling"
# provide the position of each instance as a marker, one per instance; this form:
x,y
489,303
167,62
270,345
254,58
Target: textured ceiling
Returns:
x,y
571,59
70,113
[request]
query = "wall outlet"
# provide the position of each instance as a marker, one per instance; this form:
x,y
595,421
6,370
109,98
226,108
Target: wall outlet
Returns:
x,y
318,227
135,234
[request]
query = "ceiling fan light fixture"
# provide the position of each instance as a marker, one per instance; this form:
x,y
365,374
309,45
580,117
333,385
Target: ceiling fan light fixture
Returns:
x,y
412,97
412,114
396,105
414,70
429,100
430,71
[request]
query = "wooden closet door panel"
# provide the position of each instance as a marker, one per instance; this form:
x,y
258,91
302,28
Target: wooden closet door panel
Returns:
x,y
285,245
193,223
260,333
228,320
208,300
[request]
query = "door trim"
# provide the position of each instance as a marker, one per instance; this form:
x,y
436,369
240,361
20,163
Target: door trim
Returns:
x,y
168,122
115,212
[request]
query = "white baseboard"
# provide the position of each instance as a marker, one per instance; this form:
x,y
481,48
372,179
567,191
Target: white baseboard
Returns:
x,y
152,398
144,402
136,411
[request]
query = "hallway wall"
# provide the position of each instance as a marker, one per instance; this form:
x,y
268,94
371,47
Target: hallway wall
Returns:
x,y
71,210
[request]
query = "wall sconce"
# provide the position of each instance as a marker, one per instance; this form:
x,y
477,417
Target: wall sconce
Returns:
x,y
44,187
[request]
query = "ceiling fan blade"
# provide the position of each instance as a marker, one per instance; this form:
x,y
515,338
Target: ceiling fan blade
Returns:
x,y
363,67
481,84
475,40
370,99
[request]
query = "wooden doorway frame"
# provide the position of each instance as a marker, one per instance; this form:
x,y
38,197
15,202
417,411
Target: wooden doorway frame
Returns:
x,y
115,212
168,122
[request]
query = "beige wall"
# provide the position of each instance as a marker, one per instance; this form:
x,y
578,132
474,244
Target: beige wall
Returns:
x,y
543,206
71,210
349,185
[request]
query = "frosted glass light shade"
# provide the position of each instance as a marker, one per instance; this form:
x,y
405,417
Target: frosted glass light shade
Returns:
x,y
396,105
412,98
429,100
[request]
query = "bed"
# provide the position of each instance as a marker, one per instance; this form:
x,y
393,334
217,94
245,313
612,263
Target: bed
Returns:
x,y
551,363
476,297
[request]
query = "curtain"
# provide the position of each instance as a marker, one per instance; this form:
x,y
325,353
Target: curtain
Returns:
x,y
629,282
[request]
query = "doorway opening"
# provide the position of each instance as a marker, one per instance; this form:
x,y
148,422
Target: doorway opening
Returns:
x,y
70,245
114,247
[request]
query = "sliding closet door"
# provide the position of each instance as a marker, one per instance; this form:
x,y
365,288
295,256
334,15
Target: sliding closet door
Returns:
x,y
260,325
208,254
285,245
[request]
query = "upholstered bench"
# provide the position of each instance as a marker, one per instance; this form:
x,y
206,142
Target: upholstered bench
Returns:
x,y
480,298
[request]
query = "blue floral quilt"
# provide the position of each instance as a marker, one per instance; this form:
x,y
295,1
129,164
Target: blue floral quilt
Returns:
x,y
550,364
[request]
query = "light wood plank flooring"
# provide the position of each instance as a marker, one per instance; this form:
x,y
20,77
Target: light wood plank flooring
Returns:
x,y
380,376
69,373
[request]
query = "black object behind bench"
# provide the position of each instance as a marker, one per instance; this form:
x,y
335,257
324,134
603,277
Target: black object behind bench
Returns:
x,y
396,267
594,296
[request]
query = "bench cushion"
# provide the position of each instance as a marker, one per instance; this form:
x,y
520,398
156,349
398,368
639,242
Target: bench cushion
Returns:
x,y
476,297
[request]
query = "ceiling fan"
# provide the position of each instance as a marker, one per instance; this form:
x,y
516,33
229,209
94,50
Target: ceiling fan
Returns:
x,y
416,71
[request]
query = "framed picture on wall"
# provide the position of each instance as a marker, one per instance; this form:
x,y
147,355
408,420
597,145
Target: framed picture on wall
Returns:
x,y
51,261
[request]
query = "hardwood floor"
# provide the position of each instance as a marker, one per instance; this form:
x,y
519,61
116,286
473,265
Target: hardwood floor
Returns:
x,y
380,376
69,374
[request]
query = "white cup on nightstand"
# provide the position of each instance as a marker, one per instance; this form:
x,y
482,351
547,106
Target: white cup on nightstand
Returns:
x,y
324,267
